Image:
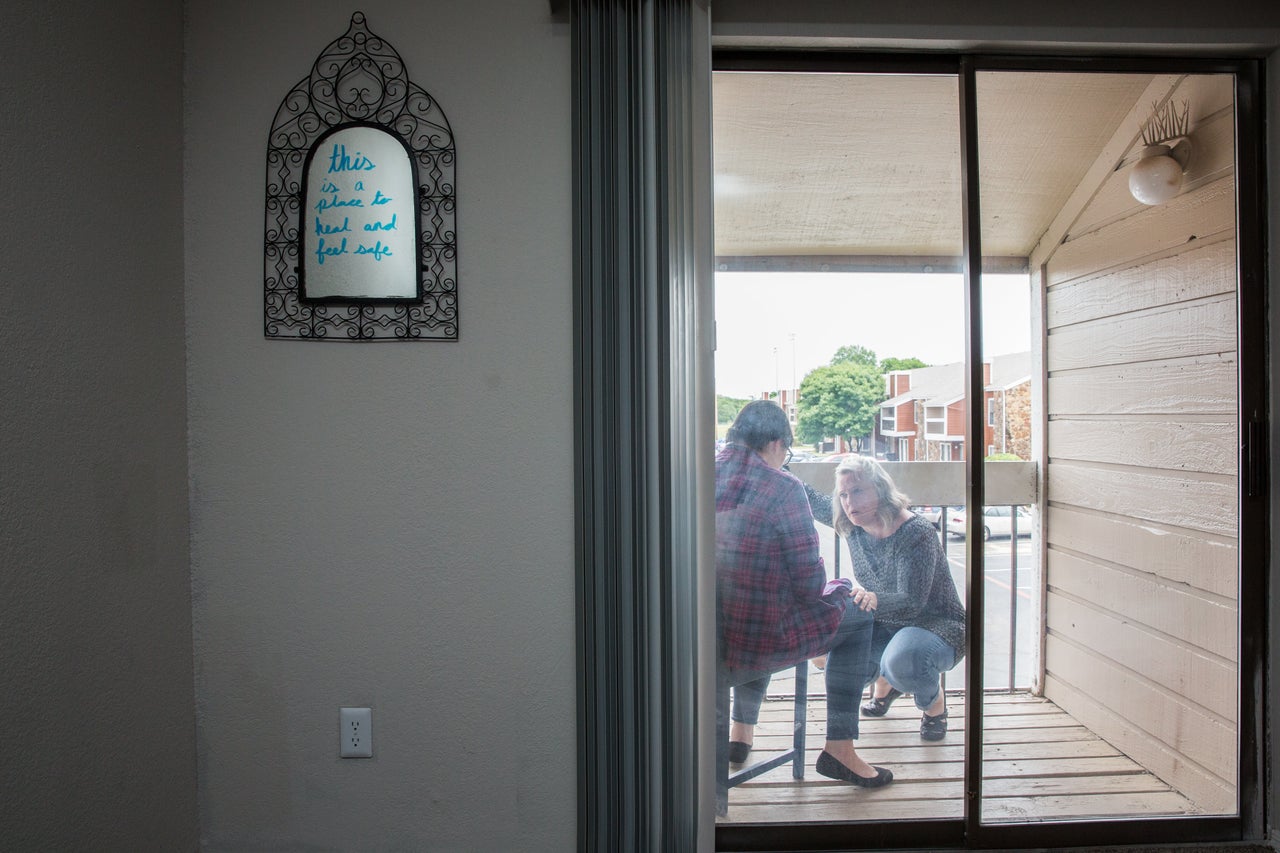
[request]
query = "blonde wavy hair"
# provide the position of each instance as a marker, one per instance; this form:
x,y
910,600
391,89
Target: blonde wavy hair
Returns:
x,y
866,469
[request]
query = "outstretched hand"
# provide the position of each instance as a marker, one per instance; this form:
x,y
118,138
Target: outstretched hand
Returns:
x,y
865,599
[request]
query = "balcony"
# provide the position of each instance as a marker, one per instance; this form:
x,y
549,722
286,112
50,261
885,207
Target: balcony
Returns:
x,y
1051,750
1038,762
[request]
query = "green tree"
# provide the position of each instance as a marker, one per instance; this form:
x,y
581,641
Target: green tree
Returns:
x,y
856,355
727,408
890,364
840,399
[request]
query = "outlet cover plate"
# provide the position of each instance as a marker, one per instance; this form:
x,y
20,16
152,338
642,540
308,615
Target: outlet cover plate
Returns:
x,y
355,736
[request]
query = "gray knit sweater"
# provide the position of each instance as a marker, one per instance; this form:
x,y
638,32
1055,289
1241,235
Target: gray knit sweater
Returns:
x,y
908,572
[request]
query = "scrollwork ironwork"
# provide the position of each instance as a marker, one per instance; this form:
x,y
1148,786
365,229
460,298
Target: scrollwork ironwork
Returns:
x,y
360,78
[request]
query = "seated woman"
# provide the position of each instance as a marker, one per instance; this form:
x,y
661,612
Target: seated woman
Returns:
x,y
774,607
902,574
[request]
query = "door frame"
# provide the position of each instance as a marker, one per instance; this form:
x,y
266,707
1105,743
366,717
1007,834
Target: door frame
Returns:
x,y
643,342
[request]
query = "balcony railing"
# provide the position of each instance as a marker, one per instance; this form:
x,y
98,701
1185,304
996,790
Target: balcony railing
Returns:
x,y
941,484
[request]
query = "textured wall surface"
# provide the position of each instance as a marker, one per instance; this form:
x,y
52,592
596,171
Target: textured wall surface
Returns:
x,y
386,524
95,610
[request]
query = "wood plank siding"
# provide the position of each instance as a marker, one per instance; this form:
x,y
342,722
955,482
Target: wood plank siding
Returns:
x,y
1140,450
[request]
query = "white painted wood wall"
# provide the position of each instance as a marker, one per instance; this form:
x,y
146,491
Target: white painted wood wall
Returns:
x,y
1139,403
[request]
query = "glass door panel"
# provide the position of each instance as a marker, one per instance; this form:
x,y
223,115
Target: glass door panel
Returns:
x,y
1112,622
839,296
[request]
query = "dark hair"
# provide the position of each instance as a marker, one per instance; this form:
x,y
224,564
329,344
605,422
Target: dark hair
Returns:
x,y
760,422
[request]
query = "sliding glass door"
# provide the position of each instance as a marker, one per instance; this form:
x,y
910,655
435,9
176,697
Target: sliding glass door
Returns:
x,y
951,268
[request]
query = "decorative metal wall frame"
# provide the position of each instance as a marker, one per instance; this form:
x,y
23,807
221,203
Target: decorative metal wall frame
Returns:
x,y
359,83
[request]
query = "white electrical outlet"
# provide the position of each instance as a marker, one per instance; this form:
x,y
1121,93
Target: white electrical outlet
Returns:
x,y
355,737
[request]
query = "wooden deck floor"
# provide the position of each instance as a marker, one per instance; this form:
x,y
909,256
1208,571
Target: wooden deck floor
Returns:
x,y
1040,764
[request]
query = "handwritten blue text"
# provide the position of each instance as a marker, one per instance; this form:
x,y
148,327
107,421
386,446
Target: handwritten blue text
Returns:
x,y
321,228
381,226
340,162
323,251
378,251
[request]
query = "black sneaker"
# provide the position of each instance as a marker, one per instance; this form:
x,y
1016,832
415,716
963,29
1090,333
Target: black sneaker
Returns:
x,y
933,728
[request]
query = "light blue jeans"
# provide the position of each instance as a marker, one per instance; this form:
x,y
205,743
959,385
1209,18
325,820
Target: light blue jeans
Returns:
x,y
912,660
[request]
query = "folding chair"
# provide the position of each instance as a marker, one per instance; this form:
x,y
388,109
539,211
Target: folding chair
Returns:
x,y
727,678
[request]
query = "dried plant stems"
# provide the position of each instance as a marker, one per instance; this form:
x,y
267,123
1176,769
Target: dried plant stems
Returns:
x,y
1166,123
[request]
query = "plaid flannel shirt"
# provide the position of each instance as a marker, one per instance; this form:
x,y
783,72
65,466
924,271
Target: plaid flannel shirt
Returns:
x,y
769,573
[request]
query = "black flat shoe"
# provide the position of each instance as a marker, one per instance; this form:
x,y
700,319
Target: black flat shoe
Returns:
x,y
828,765
738,751
933,728
879,707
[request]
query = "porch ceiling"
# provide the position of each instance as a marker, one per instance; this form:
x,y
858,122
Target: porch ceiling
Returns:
x,y
869,165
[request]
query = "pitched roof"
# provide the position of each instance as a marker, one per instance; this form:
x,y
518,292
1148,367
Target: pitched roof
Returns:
x,y
943,384
1009,370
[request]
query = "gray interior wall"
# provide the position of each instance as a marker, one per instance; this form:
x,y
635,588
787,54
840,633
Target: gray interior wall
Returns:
x,y
95,611
1230,25
387,525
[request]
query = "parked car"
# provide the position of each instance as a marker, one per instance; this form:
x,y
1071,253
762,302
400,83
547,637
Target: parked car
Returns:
x,y
933,514
996,521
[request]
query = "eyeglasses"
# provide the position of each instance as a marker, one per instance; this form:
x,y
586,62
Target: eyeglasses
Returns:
x,y
787,461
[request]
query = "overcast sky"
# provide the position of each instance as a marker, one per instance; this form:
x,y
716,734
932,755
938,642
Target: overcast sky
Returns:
x,y
773,326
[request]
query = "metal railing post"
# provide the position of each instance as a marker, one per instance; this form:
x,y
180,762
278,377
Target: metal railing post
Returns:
x,y
1013,594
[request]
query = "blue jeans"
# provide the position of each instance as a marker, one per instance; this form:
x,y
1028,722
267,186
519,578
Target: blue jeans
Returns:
x,y
912,660
850,668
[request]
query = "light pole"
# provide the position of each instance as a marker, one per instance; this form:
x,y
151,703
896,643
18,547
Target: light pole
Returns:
x,y
794,401
776,384
793,362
